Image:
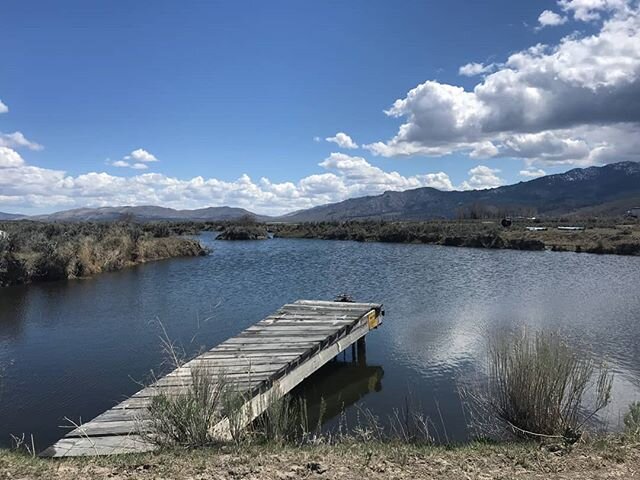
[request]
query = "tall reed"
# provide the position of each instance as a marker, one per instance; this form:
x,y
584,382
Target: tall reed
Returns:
x,y
187,418
539,386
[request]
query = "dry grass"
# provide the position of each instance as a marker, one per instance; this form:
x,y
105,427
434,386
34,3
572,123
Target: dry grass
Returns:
x,y
609,458
40,251
632,422
187,419
539,387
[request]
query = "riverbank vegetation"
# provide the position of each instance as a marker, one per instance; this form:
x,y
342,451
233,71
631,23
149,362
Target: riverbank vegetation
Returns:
x,y
604,236
536,387
34,251
539,398
243,232
536,383
614,457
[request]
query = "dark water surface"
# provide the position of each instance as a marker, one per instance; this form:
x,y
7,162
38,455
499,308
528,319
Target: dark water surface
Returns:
x,y
76,348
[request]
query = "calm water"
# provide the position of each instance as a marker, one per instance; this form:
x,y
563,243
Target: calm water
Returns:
x,y
75,348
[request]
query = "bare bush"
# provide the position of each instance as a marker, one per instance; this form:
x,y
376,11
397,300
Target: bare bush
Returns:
x,y
632,421
538,386
285,420
187,418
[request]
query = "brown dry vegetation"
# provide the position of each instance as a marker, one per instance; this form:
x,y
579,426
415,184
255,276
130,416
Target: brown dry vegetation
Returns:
x,y
613,458
34,251
612,236
243,232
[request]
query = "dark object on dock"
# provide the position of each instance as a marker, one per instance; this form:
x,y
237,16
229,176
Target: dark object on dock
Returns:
x,y
263,363
506,222
344,297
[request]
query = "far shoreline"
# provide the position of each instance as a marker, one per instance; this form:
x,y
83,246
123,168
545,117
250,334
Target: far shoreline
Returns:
x,y
603,236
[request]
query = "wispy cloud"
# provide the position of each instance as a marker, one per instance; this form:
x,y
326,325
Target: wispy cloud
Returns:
x,y
137,160
18,140
473,69
532,173
342,140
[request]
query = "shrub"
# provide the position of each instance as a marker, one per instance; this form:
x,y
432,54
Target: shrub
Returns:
x,y
187,418
52,251
285,419
632,421
538,386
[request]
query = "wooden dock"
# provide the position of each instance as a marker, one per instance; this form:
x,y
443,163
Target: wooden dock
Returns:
x,y
263,363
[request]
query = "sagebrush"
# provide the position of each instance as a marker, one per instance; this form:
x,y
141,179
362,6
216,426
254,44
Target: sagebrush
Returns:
x,y
538,386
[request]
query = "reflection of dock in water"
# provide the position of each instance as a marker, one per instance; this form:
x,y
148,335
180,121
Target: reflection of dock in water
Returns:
x,y
339,385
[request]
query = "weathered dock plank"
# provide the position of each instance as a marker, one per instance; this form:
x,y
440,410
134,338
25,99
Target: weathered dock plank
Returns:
x,y
263,362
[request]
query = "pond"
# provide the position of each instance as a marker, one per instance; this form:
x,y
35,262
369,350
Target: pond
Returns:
x,y
75,348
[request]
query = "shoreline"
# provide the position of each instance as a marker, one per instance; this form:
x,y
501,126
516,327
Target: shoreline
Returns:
x,y
606,238
165,251
37,252
611,457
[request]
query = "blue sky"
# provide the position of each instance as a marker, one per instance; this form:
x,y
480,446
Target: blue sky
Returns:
x,y
208,93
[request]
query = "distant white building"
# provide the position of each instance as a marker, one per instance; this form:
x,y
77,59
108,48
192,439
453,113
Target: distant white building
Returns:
x,y
3,235
634,212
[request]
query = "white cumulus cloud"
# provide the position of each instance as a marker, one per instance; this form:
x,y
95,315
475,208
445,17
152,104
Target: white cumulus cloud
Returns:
x,y
141,155
137,160
577,102
10,158
3,107
362,178
590,10
481,178
551,19
29,187
342,140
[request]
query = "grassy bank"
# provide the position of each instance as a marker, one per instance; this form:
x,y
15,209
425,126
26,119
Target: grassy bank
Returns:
x,y
243,232
34,251
610,458
609,236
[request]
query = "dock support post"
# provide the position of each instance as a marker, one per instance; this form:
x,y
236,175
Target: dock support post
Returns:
x,y
362,351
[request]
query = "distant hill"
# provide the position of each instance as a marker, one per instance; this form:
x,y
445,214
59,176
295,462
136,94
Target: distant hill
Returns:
x,y
145,213
611,189
10,216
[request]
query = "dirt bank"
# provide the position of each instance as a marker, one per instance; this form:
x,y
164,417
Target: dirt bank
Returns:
x,y
355,461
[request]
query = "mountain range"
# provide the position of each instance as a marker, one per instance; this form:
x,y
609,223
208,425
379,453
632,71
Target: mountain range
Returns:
x,y
10,216
610,189
145,213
